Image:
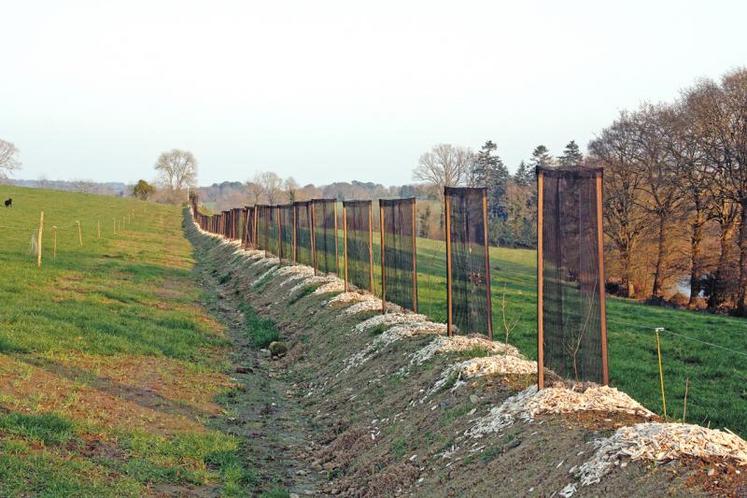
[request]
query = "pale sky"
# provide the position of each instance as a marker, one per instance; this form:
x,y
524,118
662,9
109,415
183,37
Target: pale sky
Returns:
x,y
334,91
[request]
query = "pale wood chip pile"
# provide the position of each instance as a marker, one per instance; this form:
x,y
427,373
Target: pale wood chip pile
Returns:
x,y
660,442
457,343
389,319
531,402
334,286
346,297
368,303
307,281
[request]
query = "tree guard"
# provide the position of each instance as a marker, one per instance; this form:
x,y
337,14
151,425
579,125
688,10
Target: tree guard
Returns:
x,y
249,234
303,233
358,241
467,261
399,283
324,223
263,227
572,327
285,222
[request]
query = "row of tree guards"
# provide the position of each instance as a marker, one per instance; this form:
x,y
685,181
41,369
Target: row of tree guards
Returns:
x,y
571,332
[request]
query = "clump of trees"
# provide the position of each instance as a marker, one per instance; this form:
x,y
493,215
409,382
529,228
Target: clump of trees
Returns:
x,y
676,195
143,190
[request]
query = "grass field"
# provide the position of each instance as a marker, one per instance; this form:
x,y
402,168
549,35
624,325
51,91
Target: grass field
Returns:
x,y
109,366
717,393
717,385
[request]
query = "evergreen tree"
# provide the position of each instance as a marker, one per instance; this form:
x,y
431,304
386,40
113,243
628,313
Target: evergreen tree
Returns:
x,y
541,157
572,157
489,171
524,175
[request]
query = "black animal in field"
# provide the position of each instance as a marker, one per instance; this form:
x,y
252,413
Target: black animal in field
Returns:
x,y
8,203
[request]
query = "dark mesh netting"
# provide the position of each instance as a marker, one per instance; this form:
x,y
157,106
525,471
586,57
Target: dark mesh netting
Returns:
x,y
398,256
303,233
285,220
237,214
359,250
234,219
224,223
468,263
273,230
572,318
263,213
248,235
324,218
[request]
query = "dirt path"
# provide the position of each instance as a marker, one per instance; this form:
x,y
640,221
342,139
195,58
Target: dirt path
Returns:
x,y
276,432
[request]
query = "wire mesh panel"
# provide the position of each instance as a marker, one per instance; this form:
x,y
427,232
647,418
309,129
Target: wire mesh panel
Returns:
x,y
324,223
467,261
236,223
262,226
304,253
285,220
248,233
572,323
398,252
358,242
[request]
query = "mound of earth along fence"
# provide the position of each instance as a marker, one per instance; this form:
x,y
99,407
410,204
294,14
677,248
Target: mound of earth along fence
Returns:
x,y
400,409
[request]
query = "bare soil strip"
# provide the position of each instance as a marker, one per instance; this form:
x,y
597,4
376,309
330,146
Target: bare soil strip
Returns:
x,y
372,424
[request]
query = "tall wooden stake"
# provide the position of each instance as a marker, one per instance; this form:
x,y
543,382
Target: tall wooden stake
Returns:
x,y
337,239
447,228
602,289
39,241
98,229
80,234
383,260
345,245
370,247
540,283
414,259
487,262
313,236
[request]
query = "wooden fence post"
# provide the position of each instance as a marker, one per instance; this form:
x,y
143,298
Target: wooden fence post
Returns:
x,y
39,241
54,243
447,229
345,245
540,284
80,234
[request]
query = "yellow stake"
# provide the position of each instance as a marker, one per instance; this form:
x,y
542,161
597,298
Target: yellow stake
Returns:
x,y
54,243
98,229
39,241
661,372
115,226
80,234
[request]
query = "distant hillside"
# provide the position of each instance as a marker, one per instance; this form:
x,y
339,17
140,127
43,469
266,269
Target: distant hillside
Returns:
x,y
118,189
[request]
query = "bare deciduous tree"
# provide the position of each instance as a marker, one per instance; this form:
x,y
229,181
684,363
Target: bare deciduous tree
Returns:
x,y
625,221
177,169
270,185
8,158
291,189
445,165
